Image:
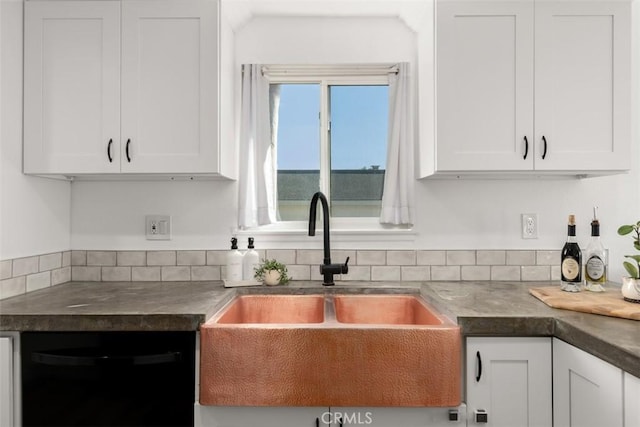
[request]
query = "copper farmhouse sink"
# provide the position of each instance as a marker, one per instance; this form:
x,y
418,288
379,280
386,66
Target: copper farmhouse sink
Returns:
x,y
385,309
330,350
275,309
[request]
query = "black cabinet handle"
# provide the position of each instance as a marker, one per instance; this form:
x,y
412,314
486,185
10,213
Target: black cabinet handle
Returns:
x,y
340,421
317,422
526,147
127,150
109,150
544,152
479,374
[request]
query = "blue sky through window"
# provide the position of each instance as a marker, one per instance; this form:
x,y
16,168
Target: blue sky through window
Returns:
x,y
359,127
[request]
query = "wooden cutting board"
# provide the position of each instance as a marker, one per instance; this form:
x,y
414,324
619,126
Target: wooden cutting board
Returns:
x,y
608,303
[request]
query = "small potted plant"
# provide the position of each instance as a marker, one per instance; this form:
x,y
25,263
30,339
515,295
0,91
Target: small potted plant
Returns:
x,y
631,284
272,272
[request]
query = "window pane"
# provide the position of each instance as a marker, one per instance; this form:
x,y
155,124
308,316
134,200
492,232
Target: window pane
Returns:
x,y
359,120
298,148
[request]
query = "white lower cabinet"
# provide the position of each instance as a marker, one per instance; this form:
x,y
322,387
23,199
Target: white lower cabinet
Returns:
x,y
245,416
237,416
587,390
631,400
9,379
509,381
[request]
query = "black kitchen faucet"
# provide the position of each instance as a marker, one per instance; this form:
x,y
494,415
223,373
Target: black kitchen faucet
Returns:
x,y
326,269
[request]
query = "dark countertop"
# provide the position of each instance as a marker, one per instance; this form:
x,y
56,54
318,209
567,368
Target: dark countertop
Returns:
x,y
480,308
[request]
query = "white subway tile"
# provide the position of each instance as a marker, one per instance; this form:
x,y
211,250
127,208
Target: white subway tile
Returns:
x,y
491,257
24,266
535,273
161,258
217,257
521,258
476,272
415,273
445,273
505,273
145,274
61,275
309,256
381,273
85,274
50,261
285,256
78,258
101,258
548,257
556,272
5,269
66,258
192,258
461,257
38,281
431,257
12,287
206,272
299,272
371,258
131,258
116,274
175,274
356,273
401,257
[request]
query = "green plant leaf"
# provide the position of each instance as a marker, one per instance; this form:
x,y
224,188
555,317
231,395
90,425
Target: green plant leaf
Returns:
x,y
636,245
636,258
625,229
631,269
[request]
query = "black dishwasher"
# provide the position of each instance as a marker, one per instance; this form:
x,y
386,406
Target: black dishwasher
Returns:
x,y
108,378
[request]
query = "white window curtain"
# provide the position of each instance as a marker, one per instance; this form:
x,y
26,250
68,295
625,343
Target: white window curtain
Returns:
x,y
398,190
258,170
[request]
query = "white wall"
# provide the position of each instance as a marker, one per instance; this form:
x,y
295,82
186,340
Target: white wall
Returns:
x,y
34,212
452,214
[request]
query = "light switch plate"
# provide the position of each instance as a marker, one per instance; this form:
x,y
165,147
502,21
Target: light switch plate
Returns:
x,y
158,227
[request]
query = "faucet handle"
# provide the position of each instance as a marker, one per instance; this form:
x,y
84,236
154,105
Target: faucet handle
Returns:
x,y
344,269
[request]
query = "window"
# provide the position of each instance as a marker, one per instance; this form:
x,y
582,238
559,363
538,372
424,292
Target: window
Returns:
x,y
332,137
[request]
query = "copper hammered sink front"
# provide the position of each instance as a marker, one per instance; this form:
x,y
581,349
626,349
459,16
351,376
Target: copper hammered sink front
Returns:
x,y
330,350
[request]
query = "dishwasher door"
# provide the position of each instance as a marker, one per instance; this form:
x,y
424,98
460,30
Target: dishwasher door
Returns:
x,y
108,378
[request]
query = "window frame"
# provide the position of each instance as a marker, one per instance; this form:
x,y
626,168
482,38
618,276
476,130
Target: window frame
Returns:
x,y
345,228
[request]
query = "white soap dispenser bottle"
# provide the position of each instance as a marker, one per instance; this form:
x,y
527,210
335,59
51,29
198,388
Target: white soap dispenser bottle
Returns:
x,y
250,261
234,262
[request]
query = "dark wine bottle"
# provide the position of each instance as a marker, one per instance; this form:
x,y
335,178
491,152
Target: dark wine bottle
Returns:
x,y
571,260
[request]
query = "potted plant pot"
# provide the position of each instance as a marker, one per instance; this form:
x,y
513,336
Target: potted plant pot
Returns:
x,y
271,277
631,289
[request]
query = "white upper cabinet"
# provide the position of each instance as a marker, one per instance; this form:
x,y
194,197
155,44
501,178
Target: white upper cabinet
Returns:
x,y
71,87
121,87
529,85
583,85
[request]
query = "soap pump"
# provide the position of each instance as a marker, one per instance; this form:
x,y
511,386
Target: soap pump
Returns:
x,y
234,261
250,261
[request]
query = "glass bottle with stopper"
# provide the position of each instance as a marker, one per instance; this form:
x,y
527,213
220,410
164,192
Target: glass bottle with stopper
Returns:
x,y
571,260
595,269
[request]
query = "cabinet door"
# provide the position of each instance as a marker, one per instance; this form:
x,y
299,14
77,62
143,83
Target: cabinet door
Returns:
x,y
509,378
71,87
6,382
396,417
484,85
243,416
631,400
169,86
587,391
582,81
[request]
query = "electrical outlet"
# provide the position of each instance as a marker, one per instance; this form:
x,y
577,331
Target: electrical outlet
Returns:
x,y
158,227
529,226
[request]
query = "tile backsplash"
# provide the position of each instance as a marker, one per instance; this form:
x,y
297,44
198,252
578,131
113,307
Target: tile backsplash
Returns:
x,y
373,265
21,275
